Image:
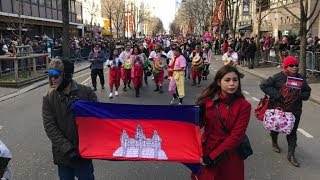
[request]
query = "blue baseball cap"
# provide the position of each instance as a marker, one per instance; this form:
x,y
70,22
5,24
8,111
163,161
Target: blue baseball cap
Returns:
x,y
54,72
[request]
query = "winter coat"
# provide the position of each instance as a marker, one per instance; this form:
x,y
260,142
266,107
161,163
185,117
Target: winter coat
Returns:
x,y
273,84
235,114
251,50
99,63
59,122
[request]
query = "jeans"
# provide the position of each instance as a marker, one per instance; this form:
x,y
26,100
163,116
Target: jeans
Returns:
x,y
82,172
94,74
188,70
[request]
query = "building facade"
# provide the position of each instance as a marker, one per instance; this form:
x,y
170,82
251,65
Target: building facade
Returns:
x,y
276,20
38,17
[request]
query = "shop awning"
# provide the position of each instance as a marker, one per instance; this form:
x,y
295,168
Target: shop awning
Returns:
x,y
247,27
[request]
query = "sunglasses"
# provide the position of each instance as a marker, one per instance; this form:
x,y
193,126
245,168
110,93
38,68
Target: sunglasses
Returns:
x,y
54,76
293,65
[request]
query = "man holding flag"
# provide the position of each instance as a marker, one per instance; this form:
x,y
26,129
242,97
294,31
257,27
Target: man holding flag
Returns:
x,y
59,122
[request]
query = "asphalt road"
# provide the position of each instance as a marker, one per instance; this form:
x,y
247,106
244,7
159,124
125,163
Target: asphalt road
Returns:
x,y
22,130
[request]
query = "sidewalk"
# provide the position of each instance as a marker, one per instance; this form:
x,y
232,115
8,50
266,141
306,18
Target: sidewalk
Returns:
x,y
7,92
267,71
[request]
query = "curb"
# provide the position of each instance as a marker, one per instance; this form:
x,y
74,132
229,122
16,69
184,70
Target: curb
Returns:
x,y
262,76
32,87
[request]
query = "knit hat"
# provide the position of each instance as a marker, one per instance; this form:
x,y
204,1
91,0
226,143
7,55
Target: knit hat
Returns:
x,y
290,60
55,67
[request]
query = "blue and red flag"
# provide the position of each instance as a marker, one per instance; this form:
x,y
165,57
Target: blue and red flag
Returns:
x,y
138,132
294,82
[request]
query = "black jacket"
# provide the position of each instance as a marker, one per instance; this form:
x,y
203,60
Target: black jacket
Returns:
x,y
59,122
273,84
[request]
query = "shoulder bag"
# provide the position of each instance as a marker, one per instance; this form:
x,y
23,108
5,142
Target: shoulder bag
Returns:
x,y
244,149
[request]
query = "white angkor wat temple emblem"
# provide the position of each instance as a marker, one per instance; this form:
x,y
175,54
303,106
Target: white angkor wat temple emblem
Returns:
x,y
140,146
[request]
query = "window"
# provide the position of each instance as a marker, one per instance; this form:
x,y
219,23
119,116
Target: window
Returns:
x,y
48,3
279,3
59,5
72,7
34,1
41,2
54,4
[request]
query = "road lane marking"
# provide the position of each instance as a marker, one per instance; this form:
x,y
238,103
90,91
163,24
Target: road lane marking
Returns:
x,y
1,127
86,80
305,133
82,75
255,99
246,92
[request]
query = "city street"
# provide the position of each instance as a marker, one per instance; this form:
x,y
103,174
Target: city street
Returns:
x,y
22,130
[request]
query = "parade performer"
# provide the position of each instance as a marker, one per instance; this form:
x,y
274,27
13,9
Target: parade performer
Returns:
x,y
176,74
114,63
137,61
207,56
126,66
158,71
149,45
197,65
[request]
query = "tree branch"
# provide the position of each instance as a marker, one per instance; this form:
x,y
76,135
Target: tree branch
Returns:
x,y
313,21
314,9
290,12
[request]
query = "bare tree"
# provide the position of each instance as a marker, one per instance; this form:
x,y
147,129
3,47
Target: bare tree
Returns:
x,y
21,25
307,18
118,16
108,11
65,29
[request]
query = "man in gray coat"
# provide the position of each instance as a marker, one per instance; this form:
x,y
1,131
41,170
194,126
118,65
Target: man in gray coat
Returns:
x,y
59,122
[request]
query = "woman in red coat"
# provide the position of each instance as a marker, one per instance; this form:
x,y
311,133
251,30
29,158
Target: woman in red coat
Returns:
x,y
220,161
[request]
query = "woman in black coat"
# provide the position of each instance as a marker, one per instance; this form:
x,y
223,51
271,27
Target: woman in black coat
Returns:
x,y
290,99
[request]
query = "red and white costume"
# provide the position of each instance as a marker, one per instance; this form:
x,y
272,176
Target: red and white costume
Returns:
x,y
114,72
125,73
137,69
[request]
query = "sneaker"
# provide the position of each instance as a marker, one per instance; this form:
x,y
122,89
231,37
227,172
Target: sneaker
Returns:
x,y
110,95
198,85
94,89
124,89
173,101
116,93
102,87
179,103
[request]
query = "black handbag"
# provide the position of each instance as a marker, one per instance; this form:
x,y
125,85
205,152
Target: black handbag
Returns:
x,y
244,149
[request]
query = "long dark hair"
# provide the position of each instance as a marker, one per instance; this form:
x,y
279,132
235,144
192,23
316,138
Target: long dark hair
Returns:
x,y
214,88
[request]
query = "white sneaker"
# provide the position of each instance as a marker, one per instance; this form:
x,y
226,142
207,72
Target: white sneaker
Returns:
x,y
116,93
110,95
173,101
179,103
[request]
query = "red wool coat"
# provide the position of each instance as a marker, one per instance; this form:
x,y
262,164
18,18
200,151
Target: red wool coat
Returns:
x,y
236,118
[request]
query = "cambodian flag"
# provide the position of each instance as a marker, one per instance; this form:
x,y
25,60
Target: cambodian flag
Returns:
x,y
294,82
138,132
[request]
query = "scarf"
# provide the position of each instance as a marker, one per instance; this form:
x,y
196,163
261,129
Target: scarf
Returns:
x,y
290,94
170,74
95,53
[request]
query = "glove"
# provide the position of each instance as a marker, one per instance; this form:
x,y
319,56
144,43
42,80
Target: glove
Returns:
x,y
207,161
73,155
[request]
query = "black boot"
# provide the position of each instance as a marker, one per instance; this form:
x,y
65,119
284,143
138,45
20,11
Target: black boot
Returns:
x,y
129,84
157,88
161,91
137,91
125,87
199,81
275,146
291,157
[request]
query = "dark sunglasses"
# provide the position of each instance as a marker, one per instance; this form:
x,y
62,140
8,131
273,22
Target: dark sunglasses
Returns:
x,y
54,76
293,65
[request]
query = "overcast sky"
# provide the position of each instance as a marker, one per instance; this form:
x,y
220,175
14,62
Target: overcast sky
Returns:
x,y
164,9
